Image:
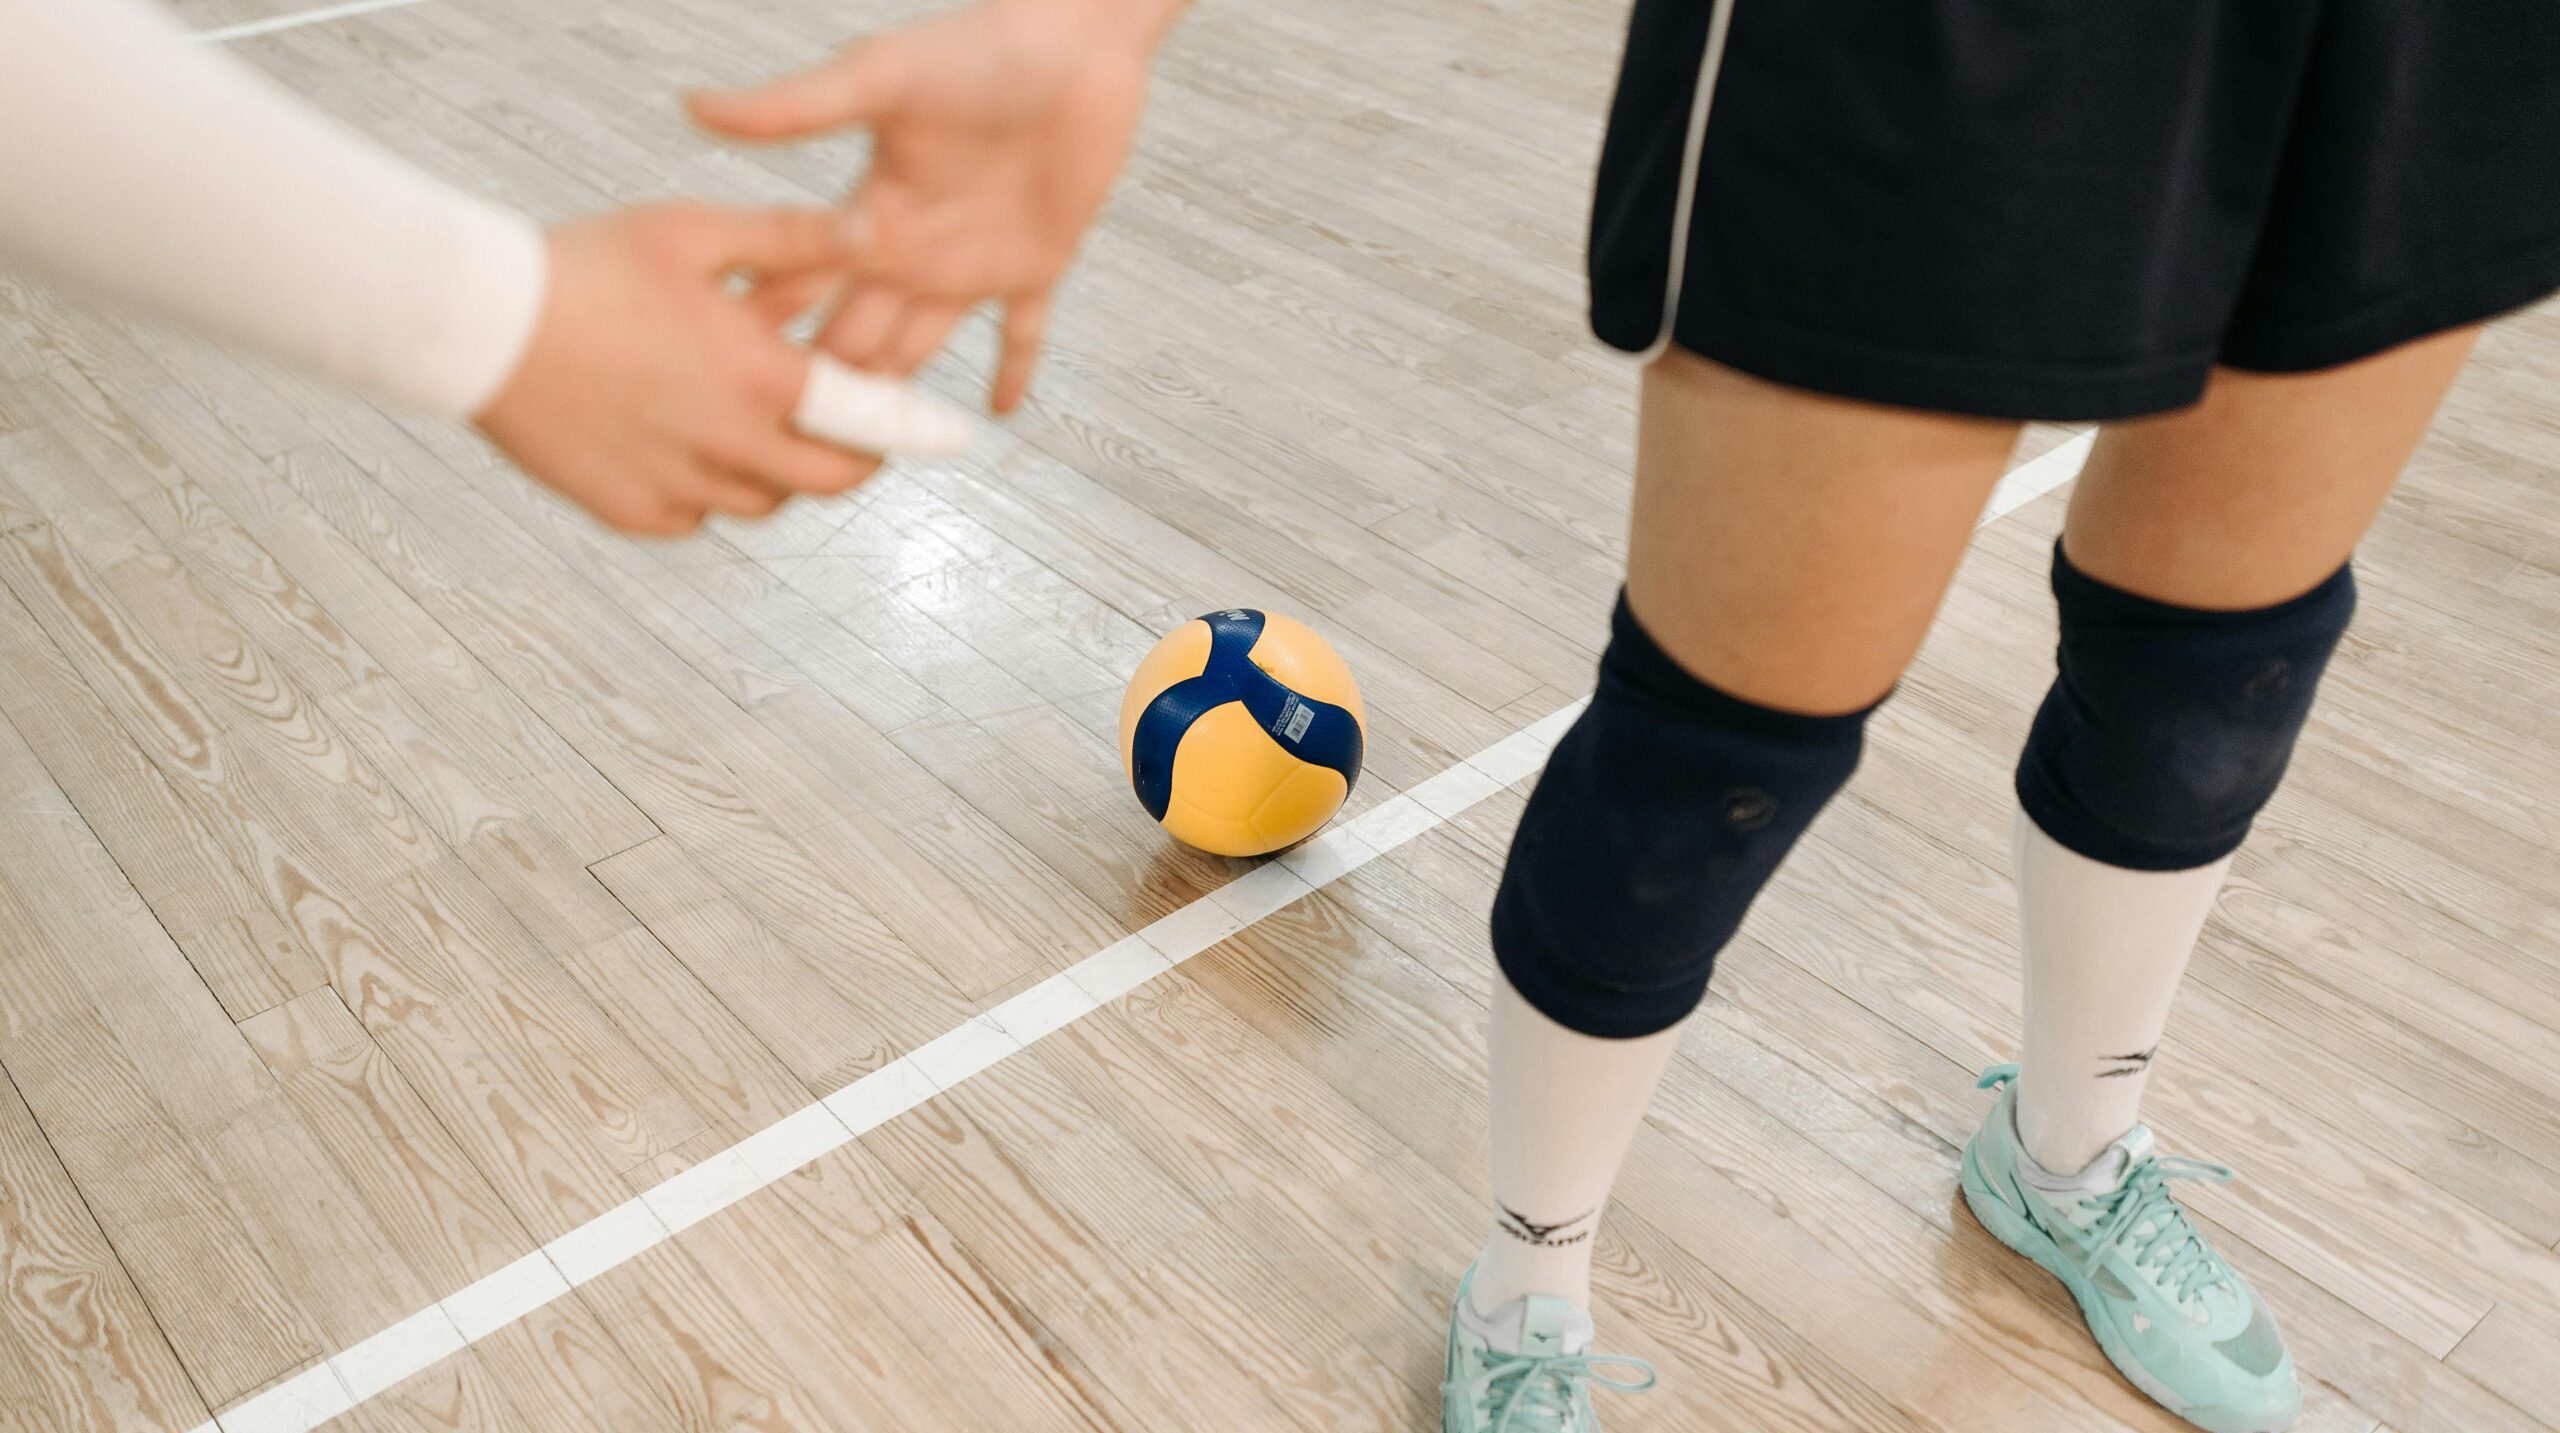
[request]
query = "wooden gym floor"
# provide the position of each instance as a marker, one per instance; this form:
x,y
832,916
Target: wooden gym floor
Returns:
x,y
398,875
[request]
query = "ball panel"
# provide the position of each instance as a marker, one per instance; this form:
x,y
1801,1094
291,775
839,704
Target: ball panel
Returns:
x,y
1306,663
1303,801
1218,835
1183,654
1227,764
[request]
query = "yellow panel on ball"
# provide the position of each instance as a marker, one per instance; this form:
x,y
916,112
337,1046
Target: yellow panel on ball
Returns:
x,y
1236,793
1306,664
1241,732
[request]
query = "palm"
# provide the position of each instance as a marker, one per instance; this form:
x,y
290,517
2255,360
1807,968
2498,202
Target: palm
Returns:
x,y
989,173
996,139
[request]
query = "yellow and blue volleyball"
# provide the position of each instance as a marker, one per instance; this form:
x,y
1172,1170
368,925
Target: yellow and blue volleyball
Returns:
x,y
1241,732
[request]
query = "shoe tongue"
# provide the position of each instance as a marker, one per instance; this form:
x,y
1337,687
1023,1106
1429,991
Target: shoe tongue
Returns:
x,y
1541,1327
2135,1147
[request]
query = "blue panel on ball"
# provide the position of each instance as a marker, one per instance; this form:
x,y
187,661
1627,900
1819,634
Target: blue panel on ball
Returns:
x,y
1315,732
1159,735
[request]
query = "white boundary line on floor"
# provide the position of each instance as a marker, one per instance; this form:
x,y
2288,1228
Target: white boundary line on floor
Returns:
x,y
437,1332
2033,479
296,21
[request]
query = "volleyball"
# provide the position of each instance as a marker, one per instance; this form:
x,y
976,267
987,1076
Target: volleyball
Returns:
x,y
1241,732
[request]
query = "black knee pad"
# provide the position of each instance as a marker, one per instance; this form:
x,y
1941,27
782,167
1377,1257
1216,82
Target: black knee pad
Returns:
x,y
1661,815
2168,728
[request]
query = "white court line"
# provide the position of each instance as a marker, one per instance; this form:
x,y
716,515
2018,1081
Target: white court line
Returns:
x,y
2032,480
295,21
613,1238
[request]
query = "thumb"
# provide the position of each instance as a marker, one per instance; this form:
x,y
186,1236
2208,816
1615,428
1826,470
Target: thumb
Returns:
x,y
860,86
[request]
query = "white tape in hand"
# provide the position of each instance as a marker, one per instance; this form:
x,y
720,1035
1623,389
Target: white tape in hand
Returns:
x,y
870,414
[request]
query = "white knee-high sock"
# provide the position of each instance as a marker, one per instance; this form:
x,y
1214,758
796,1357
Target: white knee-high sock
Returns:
x,y
2105,948
1565,1109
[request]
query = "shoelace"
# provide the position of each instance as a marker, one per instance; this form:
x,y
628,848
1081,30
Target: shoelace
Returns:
x,y
2180,1261
1542,1394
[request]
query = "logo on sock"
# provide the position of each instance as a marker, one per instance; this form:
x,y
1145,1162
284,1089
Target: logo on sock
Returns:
x,y
1543,1236
2127,1064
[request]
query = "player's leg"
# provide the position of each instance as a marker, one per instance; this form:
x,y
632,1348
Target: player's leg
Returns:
x,y
1789,550
2240,506
2203,579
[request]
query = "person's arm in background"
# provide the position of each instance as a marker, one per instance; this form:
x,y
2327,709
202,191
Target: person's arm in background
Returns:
x,y
607,357
998,131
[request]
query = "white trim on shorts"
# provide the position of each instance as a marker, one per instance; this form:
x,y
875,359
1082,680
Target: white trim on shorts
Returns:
x,y
1710,65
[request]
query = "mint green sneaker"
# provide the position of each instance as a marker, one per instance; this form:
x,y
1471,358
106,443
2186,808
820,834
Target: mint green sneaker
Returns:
x,y
1546,1388
2176,1320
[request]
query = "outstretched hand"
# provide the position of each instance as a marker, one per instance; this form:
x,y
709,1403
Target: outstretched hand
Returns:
x,y
998,131
651,394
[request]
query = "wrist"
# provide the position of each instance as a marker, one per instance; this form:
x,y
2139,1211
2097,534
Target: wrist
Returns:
x,y
519,291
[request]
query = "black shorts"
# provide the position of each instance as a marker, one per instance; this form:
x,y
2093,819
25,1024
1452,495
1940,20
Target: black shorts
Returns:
x,y
2072,209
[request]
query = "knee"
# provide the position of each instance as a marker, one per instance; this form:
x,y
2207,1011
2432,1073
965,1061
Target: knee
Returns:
x,y
2168,729
1660,816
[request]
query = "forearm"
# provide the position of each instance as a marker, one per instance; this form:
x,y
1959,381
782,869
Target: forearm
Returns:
x,y
145,170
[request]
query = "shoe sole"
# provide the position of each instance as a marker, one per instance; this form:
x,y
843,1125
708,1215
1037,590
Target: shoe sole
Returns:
x,y
2023,1237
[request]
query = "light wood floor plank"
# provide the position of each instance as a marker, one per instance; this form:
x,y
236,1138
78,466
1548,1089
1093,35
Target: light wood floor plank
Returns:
x,y
442,1215
2510,1351
85,1347
200,1260
205,901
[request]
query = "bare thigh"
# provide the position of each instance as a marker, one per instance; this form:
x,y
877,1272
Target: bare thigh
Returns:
x,y
2262,489
1790,548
